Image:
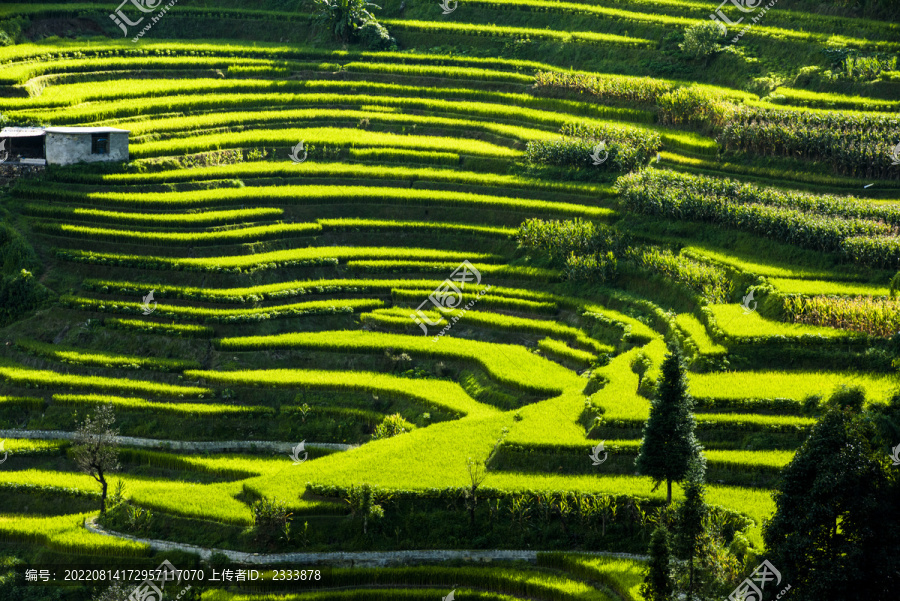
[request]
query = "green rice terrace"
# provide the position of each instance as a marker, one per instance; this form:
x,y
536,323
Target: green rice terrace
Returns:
x,y
488,299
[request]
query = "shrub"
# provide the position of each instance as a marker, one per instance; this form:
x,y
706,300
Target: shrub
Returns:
x,y
853,145
829,205
640,364
563,152
375,36
117,591
392,425
643,142
701,40
219,561
138,519
271,521
18,295
875,316
364,502
587,251
15,253
877,251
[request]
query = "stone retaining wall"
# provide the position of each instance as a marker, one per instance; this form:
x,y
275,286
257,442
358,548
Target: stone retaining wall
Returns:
x,y
12,171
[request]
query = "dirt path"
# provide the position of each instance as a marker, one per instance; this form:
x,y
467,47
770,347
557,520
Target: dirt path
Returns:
x,y
346,558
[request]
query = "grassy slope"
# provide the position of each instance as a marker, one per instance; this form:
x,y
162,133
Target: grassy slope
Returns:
x,y
466,99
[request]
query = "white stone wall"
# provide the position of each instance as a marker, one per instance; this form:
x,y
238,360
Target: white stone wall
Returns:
x,y
65,149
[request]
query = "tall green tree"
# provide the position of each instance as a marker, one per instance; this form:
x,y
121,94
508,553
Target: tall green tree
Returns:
x,y
690,522
669,443
836,529
657,584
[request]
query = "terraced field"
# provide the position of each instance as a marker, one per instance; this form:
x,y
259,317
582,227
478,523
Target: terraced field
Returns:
x,y
285,294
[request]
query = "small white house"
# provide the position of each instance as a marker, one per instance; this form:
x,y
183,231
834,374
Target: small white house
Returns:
x,y
63,145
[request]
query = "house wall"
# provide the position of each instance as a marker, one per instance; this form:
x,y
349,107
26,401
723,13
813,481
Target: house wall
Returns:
x,y
65,149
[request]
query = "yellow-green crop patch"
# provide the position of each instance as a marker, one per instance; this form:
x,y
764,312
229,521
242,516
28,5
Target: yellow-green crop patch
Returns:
x,y
327,307
317,195
341,170
446,395
138,404
317,136
696,331
66,534
42,378
828,288
394,224
74,356
507,363
322,255
238,235
195,219
491,320
796,385
736,323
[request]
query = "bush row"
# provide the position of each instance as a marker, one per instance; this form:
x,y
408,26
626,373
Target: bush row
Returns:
x,y
873,316
624,88
854,144
645,193
710,281
829,205
599,147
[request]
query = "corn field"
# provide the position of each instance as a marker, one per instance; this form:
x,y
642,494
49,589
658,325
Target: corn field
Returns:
x,y
875,316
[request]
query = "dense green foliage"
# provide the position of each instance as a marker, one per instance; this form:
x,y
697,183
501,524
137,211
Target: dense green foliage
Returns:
x,y
851,144
785,217
669,446
598,147
658,579
835,531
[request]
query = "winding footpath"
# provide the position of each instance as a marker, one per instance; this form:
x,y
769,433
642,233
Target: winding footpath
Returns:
x,y
345,558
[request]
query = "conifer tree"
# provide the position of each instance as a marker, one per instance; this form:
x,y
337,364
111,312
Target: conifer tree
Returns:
x,y
669,443
689,522
658,578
